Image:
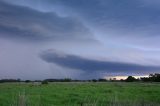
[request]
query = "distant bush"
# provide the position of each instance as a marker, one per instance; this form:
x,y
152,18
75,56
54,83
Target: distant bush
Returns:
x,y
102,80
27,81
131,79
67,80
61,80
94,80
44,82
9,80
152,78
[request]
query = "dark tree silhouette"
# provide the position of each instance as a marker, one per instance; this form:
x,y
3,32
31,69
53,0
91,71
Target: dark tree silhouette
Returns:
x,y
131,79
44,82
152,78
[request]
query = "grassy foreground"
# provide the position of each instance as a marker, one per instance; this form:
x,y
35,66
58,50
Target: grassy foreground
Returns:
x,y
80,94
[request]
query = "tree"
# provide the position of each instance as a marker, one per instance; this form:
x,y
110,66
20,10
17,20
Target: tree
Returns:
x,y
131,79
67,80
154,77
27,81
94,80
102,80
44,82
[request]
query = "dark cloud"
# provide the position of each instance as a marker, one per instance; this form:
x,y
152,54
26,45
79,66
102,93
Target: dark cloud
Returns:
x,y
125,18
127,32
80,63
19,22
126,12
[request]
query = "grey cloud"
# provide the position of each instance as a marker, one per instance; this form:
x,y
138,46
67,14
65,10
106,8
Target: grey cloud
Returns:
x,y
108,14
89,65
125,22
19,22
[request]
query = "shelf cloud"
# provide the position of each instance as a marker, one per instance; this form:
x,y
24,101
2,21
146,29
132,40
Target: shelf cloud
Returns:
x,y
90,65
96,38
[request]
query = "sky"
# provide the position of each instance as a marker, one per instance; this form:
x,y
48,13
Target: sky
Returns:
x,y
79,39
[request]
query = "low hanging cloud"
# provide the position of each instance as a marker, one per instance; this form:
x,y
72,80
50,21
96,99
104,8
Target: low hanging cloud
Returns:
x,y
89,65
18,22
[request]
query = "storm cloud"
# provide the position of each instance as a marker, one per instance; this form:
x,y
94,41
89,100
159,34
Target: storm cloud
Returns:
x,y
95,37
90,65
24,23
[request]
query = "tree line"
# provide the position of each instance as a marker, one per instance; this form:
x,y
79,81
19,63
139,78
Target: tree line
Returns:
x,y
151,78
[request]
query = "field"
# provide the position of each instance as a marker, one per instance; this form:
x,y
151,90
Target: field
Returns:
x,y
80,94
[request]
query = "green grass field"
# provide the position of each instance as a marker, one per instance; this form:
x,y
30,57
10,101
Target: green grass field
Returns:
x,y
80,94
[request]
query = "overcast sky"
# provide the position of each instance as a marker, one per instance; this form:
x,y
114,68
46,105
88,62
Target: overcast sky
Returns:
x,y
79,39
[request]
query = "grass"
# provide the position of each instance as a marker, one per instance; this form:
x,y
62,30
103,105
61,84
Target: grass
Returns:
x,y
80,94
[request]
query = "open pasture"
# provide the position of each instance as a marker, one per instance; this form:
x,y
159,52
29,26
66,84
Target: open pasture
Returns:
x,y
80,94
